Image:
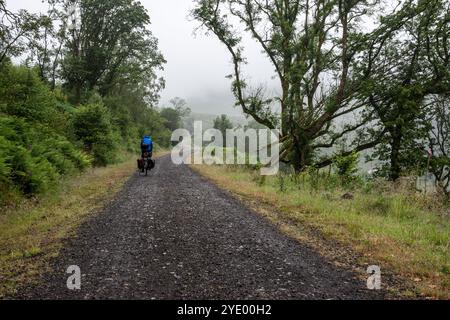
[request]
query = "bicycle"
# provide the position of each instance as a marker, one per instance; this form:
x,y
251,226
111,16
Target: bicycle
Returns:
x,y
146,164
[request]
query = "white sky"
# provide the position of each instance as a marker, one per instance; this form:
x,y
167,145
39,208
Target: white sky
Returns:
x,y
196,64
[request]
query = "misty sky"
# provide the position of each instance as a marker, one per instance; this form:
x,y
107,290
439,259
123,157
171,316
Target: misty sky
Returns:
x,y
196,64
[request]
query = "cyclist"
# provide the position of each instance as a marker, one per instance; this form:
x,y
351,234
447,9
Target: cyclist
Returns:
x,y
146,163
147,147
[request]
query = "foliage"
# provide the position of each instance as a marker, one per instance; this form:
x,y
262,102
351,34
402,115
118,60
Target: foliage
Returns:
x,y
330,68
132,118
223,124
33,157
439,144
411,67
24,95
175,114
306,43
108,65
112,47
172,117
347,166
180,105
92,126
16,31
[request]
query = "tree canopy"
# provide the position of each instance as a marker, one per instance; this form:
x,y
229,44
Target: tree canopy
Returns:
x,y
331,68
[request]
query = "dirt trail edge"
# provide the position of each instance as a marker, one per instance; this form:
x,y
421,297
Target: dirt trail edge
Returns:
x,y
175,235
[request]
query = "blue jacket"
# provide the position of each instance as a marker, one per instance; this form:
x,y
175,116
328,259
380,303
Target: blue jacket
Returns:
x,y
147,144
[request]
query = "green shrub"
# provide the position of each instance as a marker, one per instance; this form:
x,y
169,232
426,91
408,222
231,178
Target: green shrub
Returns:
x,y
32,175
24,95
347,167
62,154
92,126
35,149
33,157
5,161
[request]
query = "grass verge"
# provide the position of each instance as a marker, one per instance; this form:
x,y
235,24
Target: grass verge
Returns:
x,y
379,228
33,232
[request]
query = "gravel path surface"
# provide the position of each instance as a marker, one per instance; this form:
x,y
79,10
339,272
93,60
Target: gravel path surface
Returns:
x,y
175,235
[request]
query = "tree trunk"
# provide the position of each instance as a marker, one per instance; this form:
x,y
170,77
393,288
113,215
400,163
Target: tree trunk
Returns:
x,y
396,142
300,155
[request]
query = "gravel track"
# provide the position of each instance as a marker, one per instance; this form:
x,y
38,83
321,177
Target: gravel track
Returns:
x,y
175,235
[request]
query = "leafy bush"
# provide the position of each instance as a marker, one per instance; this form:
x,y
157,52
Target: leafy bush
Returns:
x,y
5,161
347,167
92,126
24,95
33,157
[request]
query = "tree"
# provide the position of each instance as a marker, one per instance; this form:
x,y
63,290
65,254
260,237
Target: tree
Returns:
x,y
16,30
113,46
315,47
176,113
223,124
180,105
46,44
412,66
173,118
439,143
